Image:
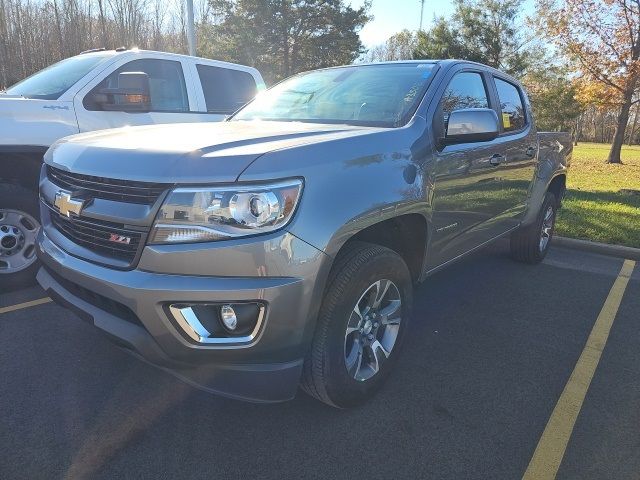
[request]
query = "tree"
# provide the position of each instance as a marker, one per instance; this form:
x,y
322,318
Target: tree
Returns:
x,y
553,98
35,34
399,46
283,37
603,38
485,31
442,41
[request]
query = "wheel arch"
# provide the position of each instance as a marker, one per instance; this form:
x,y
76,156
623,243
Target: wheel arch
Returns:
x,y
406,234
21,166
558,186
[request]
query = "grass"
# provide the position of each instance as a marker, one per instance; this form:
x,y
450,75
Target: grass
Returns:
x,y
594,208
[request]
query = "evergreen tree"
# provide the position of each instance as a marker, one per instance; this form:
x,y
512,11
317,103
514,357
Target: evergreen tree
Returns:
x,y
283,37
485,31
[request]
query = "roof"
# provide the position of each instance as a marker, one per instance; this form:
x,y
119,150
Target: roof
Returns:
x,y
124,51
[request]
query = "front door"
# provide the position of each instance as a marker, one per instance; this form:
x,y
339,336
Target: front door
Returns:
x,y
169,98
468,192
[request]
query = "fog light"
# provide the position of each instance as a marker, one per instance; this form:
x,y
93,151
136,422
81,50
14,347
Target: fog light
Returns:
x,y
228,315
219,323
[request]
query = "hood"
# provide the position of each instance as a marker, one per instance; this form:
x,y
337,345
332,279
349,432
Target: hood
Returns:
x,y
185,153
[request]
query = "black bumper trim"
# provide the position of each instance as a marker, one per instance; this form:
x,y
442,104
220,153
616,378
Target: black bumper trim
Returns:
x,y
262,383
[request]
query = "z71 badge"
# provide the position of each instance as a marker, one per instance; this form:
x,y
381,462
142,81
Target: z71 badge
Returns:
x,y
113,237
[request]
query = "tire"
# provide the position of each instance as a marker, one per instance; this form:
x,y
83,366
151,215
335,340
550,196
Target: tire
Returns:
x,y
359,273
527,243
19,225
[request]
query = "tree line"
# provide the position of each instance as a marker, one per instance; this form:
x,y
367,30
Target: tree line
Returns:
x,y
35,34
579,59
279,37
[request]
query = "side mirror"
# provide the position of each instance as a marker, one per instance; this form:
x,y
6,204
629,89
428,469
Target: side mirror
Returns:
x,y
472,125
131,95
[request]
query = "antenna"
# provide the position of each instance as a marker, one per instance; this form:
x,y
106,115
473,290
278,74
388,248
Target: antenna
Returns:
x,y
421,14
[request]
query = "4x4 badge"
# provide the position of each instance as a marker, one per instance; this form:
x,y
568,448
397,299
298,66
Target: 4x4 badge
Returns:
x,y
66,204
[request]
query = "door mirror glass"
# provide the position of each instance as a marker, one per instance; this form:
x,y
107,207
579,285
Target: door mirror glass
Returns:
x,y
472,125
131,95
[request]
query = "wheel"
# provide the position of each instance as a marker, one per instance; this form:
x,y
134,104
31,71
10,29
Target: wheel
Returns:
x,y
361,326
530,244
19,226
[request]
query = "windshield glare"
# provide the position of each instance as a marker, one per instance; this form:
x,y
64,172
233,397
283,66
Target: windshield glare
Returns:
x,y
53,81
383,95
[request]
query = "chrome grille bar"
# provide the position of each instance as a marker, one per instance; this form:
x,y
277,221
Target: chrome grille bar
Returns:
x,y
107,188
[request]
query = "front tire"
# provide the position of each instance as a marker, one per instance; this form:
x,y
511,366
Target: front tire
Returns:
x,y
530,244
361,326
19,225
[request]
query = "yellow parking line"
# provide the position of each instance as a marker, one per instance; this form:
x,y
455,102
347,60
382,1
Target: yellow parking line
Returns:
x,y
20,306
550,450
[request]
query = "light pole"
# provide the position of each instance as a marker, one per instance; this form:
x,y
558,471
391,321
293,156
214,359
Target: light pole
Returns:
x,y
421,14
191,29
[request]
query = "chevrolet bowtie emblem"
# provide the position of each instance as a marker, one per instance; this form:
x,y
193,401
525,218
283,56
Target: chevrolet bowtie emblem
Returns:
x,y
66,204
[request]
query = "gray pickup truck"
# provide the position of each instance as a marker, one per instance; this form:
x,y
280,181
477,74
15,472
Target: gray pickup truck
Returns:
x,y
280,248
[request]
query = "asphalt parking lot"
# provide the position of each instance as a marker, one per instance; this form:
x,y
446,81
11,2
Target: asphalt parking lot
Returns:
x,y
493,345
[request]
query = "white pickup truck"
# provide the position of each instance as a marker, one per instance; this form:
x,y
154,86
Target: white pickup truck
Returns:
x,y
97,90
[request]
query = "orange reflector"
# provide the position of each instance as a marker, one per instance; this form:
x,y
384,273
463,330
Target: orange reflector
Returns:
x,y
137,98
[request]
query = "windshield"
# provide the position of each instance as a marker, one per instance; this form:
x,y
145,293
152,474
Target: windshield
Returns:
x,y
53,81
383,95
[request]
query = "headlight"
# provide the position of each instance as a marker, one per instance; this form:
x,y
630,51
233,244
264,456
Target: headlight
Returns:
x,y
206,214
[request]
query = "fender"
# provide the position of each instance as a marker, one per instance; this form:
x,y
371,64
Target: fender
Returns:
x,y
554,159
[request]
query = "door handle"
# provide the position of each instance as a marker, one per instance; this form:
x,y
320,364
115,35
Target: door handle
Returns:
x,y
531,151
497,159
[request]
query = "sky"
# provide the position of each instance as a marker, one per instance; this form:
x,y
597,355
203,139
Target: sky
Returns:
x,y
391,16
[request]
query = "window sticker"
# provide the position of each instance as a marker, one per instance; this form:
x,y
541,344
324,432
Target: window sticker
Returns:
x,y
506,120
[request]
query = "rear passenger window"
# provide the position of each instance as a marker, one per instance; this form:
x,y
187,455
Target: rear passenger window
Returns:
x,y
466,90
225,90
513,117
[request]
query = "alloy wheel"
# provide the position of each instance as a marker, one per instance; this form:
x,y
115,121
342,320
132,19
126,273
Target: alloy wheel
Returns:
x,y
372,329
547,228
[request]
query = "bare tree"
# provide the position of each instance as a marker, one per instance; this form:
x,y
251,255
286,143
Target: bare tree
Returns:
x,y
37,33
399,46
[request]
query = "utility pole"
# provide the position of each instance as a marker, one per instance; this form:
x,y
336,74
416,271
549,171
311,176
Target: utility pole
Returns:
x,y
191,29
421,14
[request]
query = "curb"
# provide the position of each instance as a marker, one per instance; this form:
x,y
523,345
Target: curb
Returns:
x,y
596,247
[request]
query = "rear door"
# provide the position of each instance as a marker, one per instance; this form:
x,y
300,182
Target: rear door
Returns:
x,y
468,191
170,98
518,143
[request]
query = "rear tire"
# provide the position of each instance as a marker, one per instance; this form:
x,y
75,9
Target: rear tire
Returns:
x,y
530,244
19,225
361,326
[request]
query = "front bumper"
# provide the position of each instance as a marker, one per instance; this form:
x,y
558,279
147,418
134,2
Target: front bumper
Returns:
x,y
130,307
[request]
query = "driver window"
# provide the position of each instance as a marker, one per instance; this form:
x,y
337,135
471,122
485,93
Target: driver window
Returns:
x,y
166,84
466,90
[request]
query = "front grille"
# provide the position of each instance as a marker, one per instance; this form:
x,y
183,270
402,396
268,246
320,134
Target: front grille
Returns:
x,y
107,188
95,236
